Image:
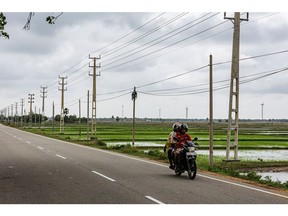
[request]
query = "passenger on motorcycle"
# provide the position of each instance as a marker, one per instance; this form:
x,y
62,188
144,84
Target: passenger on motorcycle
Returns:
x,y
182,136
171,143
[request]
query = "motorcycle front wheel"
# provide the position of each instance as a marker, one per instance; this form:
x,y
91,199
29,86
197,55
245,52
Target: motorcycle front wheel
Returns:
x,y
192,168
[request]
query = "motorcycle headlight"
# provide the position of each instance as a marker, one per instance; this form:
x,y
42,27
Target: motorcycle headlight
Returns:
x,y
191,149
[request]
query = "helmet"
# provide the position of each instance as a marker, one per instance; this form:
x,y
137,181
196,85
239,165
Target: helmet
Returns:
x,y
176,127
184,126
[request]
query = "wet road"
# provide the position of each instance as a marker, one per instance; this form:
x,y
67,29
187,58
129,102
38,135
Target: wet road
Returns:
x,y
36,169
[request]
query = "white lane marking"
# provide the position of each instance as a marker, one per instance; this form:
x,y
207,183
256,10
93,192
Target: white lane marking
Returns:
x,y
158,164
40,148
20,138
154,200
60,156
28,142
104,176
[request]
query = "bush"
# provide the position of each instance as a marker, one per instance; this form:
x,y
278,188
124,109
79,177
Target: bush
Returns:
x,y
100,143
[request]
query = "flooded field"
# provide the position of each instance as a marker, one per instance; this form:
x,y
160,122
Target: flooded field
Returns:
x,y
278,176
267,155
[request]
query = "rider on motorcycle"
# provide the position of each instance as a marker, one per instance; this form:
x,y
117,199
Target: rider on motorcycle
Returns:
x,y
182,136
171,143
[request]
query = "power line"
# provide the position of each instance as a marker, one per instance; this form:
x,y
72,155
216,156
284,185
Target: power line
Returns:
x,y
165,47
157,39
129,33
144,35
260,75
213,35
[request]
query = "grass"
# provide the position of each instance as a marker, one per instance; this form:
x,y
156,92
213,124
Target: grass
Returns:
x,y
251,135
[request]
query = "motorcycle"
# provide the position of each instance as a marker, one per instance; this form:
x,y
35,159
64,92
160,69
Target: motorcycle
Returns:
x,y
187,161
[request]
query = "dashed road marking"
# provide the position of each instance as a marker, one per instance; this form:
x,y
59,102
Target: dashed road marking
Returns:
x,y
60,156
154,200
103,176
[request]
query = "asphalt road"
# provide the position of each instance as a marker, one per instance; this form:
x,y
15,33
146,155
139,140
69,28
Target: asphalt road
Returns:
x,y
40,170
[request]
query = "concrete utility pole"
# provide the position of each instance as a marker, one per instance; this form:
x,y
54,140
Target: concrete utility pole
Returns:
x,y
186,112
35,119
134,96
88,115
43,91
53,116
122,112
262,111
22,105
8,113
62,89
94,66
211,113
79,118
16,113
234,88
31,101
12,113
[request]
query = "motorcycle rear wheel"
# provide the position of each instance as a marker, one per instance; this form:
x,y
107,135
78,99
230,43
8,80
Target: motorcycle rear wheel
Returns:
x,y
178,173
192,169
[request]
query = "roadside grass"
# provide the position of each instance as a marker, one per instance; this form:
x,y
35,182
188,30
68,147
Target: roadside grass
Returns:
x,y
251,136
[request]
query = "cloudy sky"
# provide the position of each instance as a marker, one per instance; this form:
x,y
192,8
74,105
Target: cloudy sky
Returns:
x,y
164,55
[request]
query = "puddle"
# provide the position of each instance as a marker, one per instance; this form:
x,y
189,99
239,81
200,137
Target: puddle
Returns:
x,y
281,176
265,155
144,144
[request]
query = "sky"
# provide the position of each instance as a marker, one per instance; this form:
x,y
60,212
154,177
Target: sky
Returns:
x,y
165,55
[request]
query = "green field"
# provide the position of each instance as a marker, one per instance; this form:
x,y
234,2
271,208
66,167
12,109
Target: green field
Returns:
x,y
252,135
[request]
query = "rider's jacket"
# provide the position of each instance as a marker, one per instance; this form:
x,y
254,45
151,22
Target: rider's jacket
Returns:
x,y
182,138
171,139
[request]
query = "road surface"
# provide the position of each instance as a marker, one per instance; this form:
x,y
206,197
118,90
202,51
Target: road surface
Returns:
x,y
40,170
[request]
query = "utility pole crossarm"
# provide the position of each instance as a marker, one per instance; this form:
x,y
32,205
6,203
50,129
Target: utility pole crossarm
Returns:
x,y
241,19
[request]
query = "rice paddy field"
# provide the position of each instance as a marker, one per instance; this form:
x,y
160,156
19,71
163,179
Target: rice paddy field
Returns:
x,y
252,135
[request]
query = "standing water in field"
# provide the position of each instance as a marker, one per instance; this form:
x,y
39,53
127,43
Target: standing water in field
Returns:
x,y
276,155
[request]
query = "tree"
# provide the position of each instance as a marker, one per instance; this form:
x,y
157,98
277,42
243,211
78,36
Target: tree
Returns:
x,y
50,20
3,22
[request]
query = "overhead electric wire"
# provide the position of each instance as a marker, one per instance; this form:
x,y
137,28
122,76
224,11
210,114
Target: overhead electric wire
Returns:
x,y
38,94
172,77
111,98
204,90
137,58
157,42
129,33
144,35
197,69
230,28
54,80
